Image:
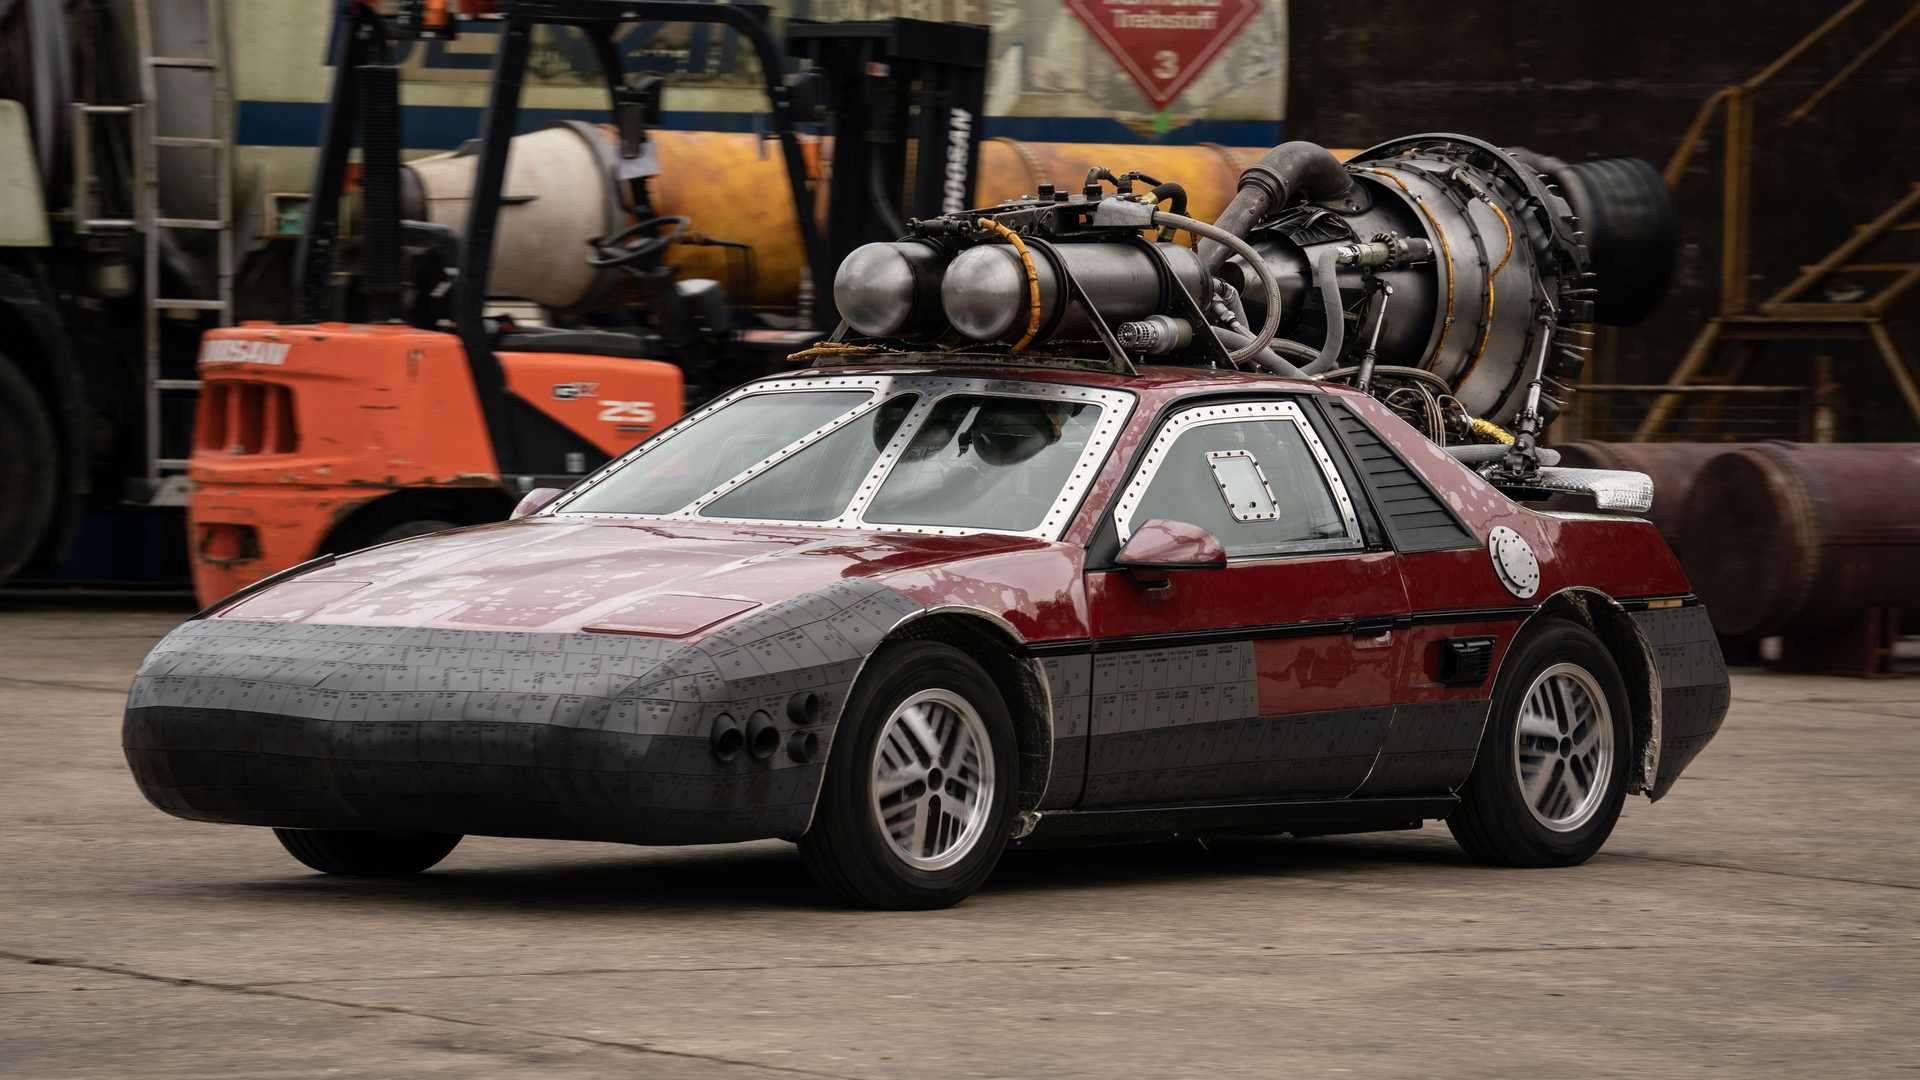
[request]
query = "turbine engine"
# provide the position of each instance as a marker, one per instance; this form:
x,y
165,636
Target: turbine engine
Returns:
x,y
1456,280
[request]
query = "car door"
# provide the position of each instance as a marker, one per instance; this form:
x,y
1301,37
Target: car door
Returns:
x,y
1270,678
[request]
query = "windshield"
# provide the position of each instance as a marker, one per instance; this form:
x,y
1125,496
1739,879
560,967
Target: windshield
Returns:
x,y
909,452
705,454
817,482
985,462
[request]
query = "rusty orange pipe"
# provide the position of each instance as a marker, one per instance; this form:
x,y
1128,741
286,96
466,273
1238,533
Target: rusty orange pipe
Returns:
x,y
733,189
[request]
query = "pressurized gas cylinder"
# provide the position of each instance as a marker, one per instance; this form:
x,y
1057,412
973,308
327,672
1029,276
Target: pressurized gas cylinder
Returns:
x,y
987,297
888,288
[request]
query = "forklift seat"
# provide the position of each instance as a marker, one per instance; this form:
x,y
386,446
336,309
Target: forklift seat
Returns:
x,y
579,342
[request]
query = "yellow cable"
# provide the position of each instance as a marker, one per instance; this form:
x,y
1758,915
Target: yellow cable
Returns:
x,y
1033,281
1491,432
1486,331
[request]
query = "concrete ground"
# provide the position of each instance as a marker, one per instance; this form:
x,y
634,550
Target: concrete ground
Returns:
x,y
1760,921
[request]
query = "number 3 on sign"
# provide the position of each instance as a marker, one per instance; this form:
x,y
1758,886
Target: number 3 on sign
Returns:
x,y
1166,64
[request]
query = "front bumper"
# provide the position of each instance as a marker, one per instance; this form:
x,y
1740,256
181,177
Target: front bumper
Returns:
x,y
561,736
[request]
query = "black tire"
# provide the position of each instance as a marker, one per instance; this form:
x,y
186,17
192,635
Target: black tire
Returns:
x,y
1493,822
846,850
29,470
366,854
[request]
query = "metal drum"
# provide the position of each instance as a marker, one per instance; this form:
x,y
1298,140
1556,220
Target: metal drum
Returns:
x,y
1802,538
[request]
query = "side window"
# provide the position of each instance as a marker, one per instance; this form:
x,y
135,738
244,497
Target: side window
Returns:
x,y
1253,475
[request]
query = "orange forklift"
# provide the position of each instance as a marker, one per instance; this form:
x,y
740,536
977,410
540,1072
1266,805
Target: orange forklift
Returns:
x,y
407,402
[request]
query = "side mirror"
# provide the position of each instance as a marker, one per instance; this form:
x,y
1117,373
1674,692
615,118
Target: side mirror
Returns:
x,y
1160,547
533,501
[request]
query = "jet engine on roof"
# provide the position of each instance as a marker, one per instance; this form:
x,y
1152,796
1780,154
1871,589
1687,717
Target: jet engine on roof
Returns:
x,y
1455,280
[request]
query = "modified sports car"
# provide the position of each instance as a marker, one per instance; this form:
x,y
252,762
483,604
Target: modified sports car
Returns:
x,y
909,607
905,616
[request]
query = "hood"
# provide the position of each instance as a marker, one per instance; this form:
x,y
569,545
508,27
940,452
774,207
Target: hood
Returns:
x,y
565,574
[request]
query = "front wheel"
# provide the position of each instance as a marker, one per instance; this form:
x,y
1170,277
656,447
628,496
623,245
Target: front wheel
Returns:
x,y
916,805
1551,775
366,854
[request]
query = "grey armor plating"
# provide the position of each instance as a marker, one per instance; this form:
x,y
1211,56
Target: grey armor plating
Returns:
x,y
1694,693
578,736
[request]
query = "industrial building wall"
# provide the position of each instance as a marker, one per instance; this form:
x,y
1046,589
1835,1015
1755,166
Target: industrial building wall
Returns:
x,y
1626,77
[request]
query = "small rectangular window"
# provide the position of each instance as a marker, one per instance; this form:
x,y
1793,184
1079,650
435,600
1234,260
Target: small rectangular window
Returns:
x,y
1243,485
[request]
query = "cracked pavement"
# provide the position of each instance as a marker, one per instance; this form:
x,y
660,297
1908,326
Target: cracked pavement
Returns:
x,y
1760,921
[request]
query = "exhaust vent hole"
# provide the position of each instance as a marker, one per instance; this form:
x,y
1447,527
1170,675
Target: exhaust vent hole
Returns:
x,y
727,738
763,739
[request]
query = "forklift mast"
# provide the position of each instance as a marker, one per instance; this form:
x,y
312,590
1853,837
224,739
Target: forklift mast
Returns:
x,y
904,98
896,89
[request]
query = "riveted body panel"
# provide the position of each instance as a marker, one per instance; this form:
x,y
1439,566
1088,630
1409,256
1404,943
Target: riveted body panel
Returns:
x,y
561,674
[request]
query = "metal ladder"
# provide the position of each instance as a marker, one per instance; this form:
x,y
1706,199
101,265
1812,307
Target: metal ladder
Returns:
x,y
165,480
1789,316
1745,328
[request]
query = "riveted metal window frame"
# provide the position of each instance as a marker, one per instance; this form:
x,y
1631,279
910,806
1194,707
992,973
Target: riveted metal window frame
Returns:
x,y
1116,407
1237,413
776,386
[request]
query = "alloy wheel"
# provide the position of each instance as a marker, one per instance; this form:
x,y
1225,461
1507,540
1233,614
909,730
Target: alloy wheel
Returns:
x,y
1563,747
932,779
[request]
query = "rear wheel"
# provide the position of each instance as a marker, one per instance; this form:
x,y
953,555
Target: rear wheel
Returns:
x,y
366,854
29,473
917,802
1551,775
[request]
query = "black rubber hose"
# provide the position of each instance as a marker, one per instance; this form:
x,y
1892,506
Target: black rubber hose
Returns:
x,y
1169,190
1266,358
1289,173
1392,371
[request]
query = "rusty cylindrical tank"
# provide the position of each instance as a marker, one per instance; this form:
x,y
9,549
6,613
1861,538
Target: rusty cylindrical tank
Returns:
x,y
1802,538
1672,467
733,187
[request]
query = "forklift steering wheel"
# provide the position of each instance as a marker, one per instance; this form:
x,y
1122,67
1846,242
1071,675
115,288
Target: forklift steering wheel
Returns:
x,y
613,249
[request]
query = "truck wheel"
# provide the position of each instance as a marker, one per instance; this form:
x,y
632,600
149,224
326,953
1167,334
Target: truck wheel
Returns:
x,y
917,800
366,854
1551,775
29,469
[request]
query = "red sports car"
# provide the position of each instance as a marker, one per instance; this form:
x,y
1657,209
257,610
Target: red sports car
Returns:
x,y
908,615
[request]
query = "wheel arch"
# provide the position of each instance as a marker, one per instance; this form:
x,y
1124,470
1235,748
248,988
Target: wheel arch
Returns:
x,y
995,645
1632,652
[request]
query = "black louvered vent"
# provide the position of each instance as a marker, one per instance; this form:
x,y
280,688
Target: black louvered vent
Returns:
x,y
1416,518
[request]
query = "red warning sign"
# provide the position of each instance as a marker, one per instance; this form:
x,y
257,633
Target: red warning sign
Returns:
x,y
1164,44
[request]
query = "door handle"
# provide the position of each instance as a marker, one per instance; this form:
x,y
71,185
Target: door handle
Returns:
x,y
1372,633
